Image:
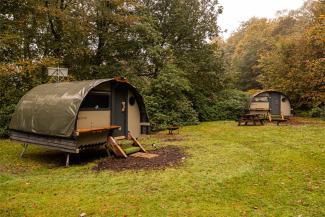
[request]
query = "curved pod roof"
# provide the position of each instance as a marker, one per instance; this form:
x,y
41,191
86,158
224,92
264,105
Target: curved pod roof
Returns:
x,y
52,109
269,91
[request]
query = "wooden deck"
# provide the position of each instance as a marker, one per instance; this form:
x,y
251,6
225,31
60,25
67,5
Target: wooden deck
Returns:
x,y
97,130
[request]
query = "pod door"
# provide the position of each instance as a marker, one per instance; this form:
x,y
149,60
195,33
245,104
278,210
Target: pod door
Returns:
x,y
120,109
275,103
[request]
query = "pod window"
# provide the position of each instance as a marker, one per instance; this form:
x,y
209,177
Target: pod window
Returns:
x,y
96,101
261,99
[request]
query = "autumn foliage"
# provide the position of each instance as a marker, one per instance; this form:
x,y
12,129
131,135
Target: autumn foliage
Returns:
x,y
285,54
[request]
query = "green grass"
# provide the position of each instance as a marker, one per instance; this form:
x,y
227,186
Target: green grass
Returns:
x,y
229,171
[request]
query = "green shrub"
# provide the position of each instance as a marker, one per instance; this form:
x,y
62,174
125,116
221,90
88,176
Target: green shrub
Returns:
x,y
301,112
227,104
316,112
5,117
166,99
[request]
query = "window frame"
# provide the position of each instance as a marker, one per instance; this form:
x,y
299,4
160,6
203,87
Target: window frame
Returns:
x,y
96,93
266,99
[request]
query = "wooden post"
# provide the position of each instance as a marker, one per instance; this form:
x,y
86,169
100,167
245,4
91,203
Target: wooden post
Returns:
x,y
118,151
136,142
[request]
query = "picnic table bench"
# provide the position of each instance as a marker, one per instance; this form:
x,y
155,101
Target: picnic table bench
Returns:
x,y
250,118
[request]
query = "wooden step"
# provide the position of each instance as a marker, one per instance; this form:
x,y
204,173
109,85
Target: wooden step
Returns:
x,y
123,152
131,150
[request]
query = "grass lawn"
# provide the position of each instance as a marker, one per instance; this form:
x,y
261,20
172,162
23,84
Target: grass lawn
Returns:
x,y
228,171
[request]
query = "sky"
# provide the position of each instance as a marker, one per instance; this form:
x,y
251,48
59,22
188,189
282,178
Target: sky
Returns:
x,y
237,11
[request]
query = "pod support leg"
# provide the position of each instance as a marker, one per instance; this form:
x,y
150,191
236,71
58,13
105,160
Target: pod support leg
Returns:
x,y
25,146
107,151
67,160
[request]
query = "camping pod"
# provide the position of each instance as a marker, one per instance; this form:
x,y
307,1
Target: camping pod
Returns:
x,y
271,102
70,116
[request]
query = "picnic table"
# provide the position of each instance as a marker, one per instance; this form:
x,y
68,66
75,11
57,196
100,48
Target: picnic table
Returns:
x,y
172,128
251,118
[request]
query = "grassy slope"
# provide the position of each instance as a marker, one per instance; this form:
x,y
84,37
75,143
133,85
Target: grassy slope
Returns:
x,y
230,171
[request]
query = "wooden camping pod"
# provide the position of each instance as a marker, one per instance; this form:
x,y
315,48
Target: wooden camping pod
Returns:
x,y
271,102
71,116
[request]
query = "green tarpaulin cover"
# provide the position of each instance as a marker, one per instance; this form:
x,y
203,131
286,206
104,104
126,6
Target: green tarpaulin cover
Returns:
x,y
52,109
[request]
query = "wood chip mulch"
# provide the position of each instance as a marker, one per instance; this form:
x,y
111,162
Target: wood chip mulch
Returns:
x,y
167,157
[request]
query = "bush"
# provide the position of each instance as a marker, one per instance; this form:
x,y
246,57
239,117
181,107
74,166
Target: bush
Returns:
x,y
301,112
166,99
316,112
5,117
227,104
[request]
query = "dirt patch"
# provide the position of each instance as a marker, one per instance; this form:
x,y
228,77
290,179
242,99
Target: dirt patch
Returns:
x,y
167,156
3,169
175,137
172,139
296,121
15,168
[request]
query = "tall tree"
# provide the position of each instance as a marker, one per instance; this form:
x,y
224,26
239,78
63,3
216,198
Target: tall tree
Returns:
x,y
295,63
156,44
243,49
186,29
286,53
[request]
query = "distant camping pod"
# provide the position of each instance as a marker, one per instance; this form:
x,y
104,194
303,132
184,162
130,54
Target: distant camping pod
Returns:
x,y
271,102
70,116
